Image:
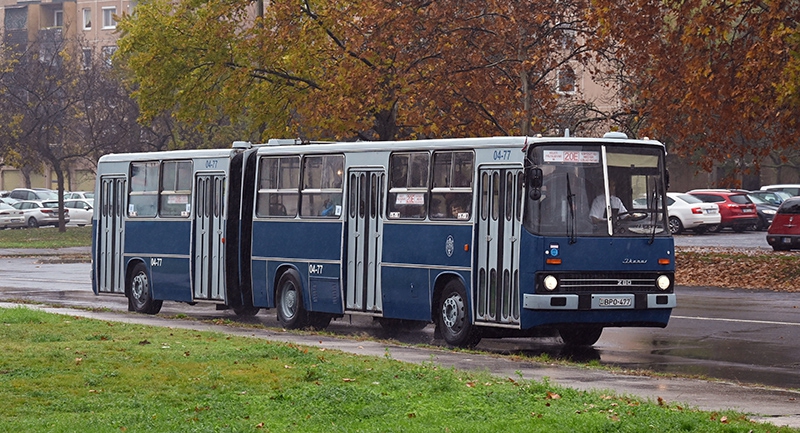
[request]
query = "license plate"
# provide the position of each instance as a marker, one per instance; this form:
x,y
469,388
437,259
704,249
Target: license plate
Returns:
x,y
786,240
614,302
747,210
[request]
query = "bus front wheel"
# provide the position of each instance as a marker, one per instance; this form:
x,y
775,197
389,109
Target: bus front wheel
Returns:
x,y
453,319
140,295
580,335
289,298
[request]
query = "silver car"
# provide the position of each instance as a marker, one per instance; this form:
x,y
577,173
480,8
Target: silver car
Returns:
x,y
80,211
11,217
41,212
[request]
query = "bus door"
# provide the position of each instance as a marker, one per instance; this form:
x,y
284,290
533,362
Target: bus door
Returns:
x,y
111,211
209,225
364,229
498,218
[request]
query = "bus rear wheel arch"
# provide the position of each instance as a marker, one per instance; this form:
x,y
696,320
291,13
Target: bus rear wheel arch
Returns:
x,y
292,313
139,291
452,317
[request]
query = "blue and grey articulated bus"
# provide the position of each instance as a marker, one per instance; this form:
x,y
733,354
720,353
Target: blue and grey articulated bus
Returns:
x,y
484,237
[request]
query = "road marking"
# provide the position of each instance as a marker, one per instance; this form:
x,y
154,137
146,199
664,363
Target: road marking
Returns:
x,y
718,319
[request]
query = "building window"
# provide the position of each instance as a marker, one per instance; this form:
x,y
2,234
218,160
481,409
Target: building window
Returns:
x,y
16,19
566,81
108,53
58,18
86,59
108,18
87,19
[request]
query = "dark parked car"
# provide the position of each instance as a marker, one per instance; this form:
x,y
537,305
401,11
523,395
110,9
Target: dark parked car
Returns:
x,y
766,211
771,197
737,210
784,233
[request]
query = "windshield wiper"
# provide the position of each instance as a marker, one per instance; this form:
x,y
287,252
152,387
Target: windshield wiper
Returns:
x,y
572,224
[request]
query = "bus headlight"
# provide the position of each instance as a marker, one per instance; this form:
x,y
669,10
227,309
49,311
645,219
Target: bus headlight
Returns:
x,y
550,282
662,282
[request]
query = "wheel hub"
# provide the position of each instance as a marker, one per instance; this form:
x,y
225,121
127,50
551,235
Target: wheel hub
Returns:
x,y
452,309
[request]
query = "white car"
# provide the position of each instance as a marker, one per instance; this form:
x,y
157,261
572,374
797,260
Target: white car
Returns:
x,y
11,217
78,194
80,211
687,212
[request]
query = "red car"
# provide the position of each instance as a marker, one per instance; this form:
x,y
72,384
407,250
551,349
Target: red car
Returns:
x,y
784,233
737,210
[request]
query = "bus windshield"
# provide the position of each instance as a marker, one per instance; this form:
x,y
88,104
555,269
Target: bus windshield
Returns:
x,y
597,190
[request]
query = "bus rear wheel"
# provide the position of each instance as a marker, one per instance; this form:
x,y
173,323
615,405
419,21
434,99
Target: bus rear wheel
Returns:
x,y
291,312
580,335
453,319
140,295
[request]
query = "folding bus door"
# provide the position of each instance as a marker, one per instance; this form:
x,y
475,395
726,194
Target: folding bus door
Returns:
x,y
364,230
111,211
498,247
209,231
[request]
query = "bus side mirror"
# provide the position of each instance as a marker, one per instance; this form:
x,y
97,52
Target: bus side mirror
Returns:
x,y
534,182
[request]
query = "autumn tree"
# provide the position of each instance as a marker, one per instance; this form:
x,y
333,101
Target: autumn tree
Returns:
x,y
63,108
356,69
713,78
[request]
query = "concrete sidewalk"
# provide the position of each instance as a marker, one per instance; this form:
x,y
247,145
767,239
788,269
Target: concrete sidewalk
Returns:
x,y
777,406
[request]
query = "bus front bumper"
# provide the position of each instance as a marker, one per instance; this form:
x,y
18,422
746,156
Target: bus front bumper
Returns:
x,y
598,301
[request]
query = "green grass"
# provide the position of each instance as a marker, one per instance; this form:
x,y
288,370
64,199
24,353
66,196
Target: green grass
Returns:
x,y
68,374
46,237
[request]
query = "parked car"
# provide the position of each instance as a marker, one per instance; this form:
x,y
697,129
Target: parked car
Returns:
x,y
80,211
8,200
10,217
41,212
784,233
78,194
33,194
687,212
772,197
736,209
765,210
792,189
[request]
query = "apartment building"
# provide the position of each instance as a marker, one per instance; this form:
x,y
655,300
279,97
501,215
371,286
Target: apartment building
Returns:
x,y
92,23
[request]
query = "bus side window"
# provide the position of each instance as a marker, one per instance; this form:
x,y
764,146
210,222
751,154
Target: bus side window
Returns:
x,y
278,183
451,196
322,186
143,195
408,187
176,189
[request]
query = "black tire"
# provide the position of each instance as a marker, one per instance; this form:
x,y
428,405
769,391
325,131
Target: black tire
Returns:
x,y
33,223
140,296
716,228
453,319
289,301
246,311
580,335
675,225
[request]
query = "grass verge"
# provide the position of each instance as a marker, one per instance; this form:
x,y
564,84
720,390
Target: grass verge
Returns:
x,y
61,373
46,237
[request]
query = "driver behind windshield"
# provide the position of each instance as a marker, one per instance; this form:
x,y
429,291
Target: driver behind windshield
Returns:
x,y
598,210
